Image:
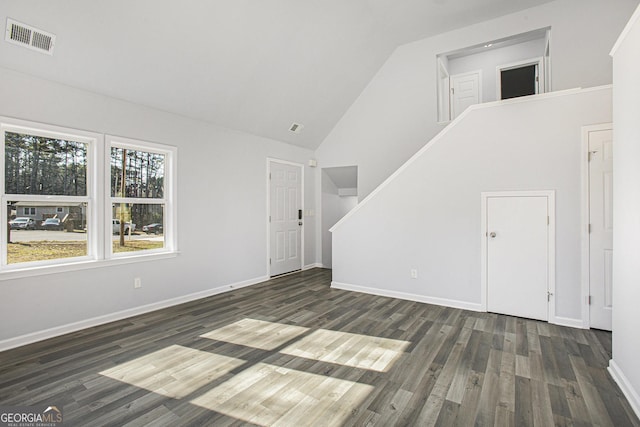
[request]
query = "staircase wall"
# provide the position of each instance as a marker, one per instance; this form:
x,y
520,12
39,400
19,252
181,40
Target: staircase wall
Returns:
x,y
426,216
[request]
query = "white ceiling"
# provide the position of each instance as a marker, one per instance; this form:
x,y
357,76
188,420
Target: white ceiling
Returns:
x,y
252,65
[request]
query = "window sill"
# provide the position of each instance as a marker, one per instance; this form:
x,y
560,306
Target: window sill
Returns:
x,y
82,265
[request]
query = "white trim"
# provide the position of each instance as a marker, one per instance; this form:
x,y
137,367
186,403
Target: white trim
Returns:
x,y
625,385
112,317
314,265
551,242
547,61
625,32
568,321
76,265
440,136
585,288
302,234
463,305
539,61
443,84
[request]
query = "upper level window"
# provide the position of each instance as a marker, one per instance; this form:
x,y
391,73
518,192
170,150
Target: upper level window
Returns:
x,y
54,215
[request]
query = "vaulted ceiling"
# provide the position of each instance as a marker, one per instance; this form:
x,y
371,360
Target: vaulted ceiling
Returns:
x,y
252,65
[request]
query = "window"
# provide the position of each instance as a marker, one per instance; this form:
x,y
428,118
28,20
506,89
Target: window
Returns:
x,y
54,172
520,79
140,199
46,167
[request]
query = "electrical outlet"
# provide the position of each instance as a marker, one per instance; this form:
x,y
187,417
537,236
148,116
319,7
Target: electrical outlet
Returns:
x,y
414,273
137,282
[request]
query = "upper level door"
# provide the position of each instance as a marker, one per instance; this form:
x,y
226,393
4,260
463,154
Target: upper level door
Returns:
x,y
601,227
285,197
465,91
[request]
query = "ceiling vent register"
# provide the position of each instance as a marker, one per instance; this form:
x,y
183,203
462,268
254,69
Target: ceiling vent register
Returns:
x,y
296,127
30,37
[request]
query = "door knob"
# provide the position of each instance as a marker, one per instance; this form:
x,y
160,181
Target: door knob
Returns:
x,y
492,234
300,223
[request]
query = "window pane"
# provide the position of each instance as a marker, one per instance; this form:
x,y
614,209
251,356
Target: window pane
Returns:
x,y
48,236
137,227
41,165
143,174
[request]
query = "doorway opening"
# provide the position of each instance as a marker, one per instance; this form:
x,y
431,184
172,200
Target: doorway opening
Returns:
x,y
487,57
339,196
519,79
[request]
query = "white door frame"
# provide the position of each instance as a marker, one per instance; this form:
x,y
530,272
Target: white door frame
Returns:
x,y
444,93
551,262
271,160
540,87
586,253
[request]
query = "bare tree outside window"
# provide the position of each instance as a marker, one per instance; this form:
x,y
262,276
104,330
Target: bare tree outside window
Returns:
x,y
44,166
136,176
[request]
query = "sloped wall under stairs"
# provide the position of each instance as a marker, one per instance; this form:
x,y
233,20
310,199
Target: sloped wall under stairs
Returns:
x,y
426,216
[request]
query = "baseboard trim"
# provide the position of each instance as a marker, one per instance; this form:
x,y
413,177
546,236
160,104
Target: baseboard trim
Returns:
x,y
310,266
407,296
568,321
30,338
627,389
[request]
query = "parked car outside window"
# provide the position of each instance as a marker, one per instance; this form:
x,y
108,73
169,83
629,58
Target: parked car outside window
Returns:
x,y
155,228
52,224
22,223
127,226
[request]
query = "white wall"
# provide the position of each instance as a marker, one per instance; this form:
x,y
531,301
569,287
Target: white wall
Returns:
x,y
334,207
221,213
396,114
427,217
626,197
489,60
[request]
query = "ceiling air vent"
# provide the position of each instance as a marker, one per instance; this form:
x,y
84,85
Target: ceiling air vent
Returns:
x,y
296,127
30,37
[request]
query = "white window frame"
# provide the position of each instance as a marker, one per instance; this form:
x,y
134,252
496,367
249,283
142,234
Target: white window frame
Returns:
x,y
98,201
39,129
540,74
168,199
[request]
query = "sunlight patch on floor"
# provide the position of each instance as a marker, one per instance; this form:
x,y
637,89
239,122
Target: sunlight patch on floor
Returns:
x,y
256,333
358,351
269,395
174,371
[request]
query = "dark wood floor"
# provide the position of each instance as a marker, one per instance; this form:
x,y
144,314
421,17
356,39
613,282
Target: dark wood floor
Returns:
x,y
292,351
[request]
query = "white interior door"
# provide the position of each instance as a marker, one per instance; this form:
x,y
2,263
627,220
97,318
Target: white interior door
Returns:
x,y
518,256
465,91
601,225
285,184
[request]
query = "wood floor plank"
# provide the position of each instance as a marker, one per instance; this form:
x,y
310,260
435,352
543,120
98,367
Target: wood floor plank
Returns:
x,y
293,351
524,408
